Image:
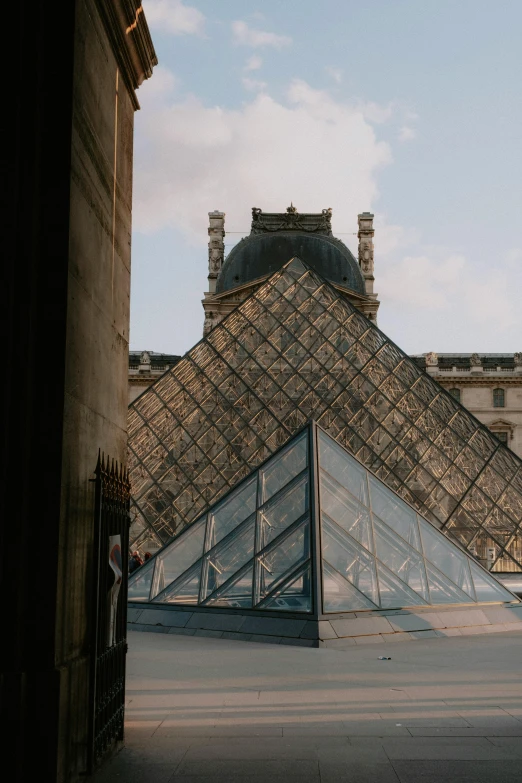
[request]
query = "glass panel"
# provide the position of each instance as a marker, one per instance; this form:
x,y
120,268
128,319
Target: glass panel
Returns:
x,y
347,471
179,556
231,512
286,554
284,468
462,526
237,594
442,591
396,514
222,562
295,268
185,590
393,592
339,595
400,559
294,596
487,588
446,557
140,582
281,512
349,559
344,509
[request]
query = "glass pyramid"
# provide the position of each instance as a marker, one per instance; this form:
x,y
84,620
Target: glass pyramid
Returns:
x,y
297,349
313,515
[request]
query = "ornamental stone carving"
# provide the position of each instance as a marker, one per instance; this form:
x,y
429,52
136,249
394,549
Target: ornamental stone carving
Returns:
x,y
366,256
365,251
291,220
432,359
475,360
518,359
216,247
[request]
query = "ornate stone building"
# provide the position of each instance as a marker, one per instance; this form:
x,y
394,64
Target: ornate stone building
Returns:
x,y
145,367
273,239
488,385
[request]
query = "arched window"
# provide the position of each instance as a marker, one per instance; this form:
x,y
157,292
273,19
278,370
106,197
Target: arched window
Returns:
x,y
455,393
499,398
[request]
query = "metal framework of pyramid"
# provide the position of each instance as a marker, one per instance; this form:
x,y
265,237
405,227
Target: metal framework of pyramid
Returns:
x,y
313,531
296,349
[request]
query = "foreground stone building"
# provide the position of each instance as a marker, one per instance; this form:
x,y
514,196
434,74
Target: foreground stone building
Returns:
x,y
67,158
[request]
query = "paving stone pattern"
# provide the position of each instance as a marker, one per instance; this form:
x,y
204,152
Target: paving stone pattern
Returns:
x,y
204,709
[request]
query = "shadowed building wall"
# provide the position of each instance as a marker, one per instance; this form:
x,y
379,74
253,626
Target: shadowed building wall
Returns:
x,y
68,158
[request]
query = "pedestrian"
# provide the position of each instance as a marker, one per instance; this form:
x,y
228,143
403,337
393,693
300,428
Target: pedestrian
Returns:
x,y
135,561
147,556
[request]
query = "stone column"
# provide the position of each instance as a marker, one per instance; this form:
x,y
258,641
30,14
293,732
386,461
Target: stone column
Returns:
x,y
365,236
216,247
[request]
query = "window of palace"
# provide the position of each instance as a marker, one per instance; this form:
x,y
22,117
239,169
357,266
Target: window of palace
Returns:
x,y
499,398
455,393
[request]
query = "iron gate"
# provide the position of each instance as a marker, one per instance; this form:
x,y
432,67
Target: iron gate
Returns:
x,y
111,557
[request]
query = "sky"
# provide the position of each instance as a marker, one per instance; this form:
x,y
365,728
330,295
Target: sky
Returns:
x,y
411,110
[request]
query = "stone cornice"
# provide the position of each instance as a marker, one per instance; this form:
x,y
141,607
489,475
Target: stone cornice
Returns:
x,y
137,379
129,35
482,380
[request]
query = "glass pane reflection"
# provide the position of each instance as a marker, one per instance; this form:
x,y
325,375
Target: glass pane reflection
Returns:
x,y
283,468
294,596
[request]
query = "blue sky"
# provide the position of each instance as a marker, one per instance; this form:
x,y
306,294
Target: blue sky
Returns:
x,y
410,109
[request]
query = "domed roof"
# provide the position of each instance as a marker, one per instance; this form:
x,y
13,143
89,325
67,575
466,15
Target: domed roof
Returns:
x,y
276,238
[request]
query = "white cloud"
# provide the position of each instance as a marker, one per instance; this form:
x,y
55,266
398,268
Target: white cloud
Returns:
x,y
253,63
376,113
335,73
253,84
444,302
308,148
514,257
160,87
420,282
406,133
175,17
248,36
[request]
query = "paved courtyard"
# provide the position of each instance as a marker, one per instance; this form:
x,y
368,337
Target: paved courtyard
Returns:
x,y
218,711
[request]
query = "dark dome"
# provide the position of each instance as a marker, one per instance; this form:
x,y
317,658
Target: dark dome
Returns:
x,y
263,254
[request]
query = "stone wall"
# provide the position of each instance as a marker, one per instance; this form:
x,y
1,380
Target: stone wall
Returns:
x,y
68,177
336,631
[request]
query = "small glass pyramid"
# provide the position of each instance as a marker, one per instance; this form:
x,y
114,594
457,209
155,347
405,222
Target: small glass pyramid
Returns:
x,y
296,350
312,515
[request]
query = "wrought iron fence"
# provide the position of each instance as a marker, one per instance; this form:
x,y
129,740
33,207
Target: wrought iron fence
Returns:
x,y
111,556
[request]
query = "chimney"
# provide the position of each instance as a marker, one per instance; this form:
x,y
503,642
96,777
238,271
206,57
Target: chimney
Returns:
x,y
365,235
216,247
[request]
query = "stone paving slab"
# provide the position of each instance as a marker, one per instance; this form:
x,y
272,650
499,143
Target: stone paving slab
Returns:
x,y
451,771
204,709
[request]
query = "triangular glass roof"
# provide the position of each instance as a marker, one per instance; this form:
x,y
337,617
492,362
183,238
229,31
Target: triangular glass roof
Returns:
x,y
313,509
297,349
